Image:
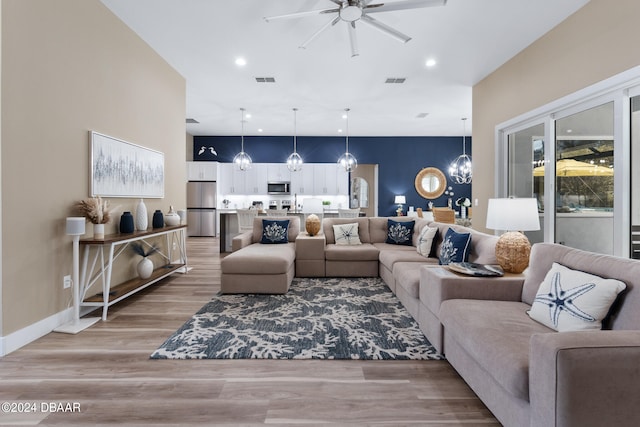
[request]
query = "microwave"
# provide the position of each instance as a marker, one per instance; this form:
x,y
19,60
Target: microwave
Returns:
x,y
279,187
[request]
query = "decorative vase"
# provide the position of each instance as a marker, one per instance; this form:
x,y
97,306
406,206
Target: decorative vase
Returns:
x,y
463,211
142,217
158,219
172,218
126,223
312,224
145,268
98,231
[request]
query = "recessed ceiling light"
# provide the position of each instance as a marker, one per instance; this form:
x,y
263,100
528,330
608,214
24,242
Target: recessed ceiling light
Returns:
x,y
430,62
248,115
241,62
260,130
339,130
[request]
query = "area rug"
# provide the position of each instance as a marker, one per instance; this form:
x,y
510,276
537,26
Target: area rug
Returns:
x,y
326,318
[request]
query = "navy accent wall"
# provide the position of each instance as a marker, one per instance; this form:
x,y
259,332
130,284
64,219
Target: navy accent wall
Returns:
x,y
399,159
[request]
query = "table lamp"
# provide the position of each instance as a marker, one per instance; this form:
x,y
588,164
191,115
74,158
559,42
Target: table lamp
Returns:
x,y
76,228
513,215
400,200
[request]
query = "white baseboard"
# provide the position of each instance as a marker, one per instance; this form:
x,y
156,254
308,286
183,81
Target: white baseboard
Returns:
x,y
24,336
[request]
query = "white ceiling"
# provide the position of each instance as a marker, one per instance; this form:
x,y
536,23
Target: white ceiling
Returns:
x,y
202,38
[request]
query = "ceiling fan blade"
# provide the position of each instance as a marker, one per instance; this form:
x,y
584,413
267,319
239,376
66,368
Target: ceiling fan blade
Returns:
x,y
385,29
353,40
402,5
300,14
321,30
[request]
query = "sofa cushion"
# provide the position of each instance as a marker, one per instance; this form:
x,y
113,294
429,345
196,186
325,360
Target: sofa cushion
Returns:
x,y
389,258
346,234
400,232
378,227
292,234
571,300
425,241
496,335
455,247
407,276
363,252
363,228
260,259
274,231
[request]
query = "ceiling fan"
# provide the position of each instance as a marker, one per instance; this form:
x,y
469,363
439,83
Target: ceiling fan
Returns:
x,y
352,11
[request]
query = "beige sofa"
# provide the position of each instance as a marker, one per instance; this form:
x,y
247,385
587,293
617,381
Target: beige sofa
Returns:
x,y
526,373
254,267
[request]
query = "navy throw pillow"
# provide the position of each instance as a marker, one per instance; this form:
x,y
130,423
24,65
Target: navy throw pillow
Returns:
x,y
275,231
455,247
400,232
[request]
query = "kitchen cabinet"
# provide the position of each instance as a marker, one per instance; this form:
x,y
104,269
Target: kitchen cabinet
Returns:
x,y
231,180
330,179
255,179
302,181
202,171
278,172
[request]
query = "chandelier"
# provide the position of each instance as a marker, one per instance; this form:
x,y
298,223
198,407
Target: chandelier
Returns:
x,y
347,160
242,160
294,161
461,170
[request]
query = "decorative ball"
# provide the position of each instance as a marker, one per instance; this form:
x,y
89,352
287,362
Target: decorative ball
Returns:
x,y
312,224
512,252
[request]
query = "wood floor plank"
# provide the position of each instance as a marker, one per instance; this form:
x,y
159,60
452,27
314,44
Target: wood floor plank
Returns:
x,y
107,370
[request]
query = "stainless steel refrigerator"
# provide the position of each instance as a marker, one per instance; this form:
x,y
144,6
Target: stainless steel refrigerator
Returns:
x,y
201,208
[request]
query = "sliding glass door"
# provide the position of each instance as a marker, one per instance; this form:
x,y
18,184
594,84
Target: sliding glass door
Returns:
x,y
584,179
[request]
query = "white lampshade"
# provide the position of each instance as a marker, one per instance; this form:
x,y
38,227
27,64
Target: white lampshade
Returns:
x,y
75,225
513,214
400,200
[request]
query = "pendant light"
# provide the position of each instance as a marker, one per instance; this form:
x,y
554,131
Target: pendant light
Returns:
x,y
294,161
460,170
242,159
347,160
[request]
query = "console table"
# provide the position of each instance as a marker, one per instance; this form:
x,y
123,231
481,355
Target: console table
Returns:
x,y
96,265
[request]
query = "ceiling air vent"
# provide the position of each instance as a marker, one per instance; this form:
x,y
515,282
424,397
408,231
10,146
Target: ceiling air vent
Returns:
x,y
395,80
265,79
192,121
422,115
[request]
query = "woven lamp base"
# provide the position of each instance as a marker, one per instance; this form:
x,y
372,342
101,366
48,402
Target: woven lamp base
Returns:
x,y
512,252
312,224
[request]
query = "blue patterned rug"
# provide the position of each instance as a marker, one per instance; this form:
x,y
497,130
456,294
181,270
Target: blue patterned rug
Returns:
x,y
327,318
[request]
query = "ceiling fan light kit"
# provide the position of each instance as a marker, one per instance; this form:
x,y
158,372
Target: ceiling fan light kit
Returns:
x,y
352,11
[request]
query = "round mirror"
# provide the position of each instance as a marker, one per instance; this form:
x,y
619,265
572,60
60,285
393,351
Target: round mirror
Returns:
x,y
430,183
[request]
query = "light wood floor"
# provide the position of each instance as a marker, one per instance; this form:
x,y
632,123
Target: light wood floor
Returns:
x,y
106,370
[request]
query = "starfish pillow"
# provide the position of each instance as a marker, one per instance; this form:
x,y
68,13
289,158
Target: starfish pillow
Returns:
x,y
571,300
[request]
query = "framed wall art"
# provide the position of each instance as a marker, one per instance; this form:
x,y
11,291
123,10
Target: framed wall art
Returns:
x,y
123,169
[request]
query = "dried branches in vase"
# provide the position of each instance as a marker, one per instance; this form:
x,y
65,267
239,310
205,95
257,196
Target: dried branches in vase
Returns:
x,y
95,209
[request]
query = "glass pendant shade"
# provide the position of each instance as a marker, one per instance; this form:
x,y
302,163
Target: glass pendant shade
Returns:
x,y
347,160
461,170
242,160
294,161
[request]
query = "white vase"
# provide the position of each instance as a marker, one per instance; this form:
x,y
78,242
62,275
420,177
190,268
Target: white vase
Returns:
x,y
98,231
145,268
142,218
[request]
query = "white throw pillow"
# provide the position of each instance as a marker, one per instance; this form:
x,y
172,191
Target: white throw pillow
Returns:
x,y
571,300
346,234
425,241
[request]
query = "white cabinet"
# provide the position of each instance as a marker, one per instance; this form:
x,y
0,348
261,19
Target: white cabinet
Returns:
x,y
302,181
278,172
255,179
231,180
330,179
202,171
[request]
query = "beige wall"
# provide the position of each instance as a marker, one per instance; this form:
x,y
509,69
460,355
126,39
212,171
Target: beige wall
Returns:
x,y
70,66
595,43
